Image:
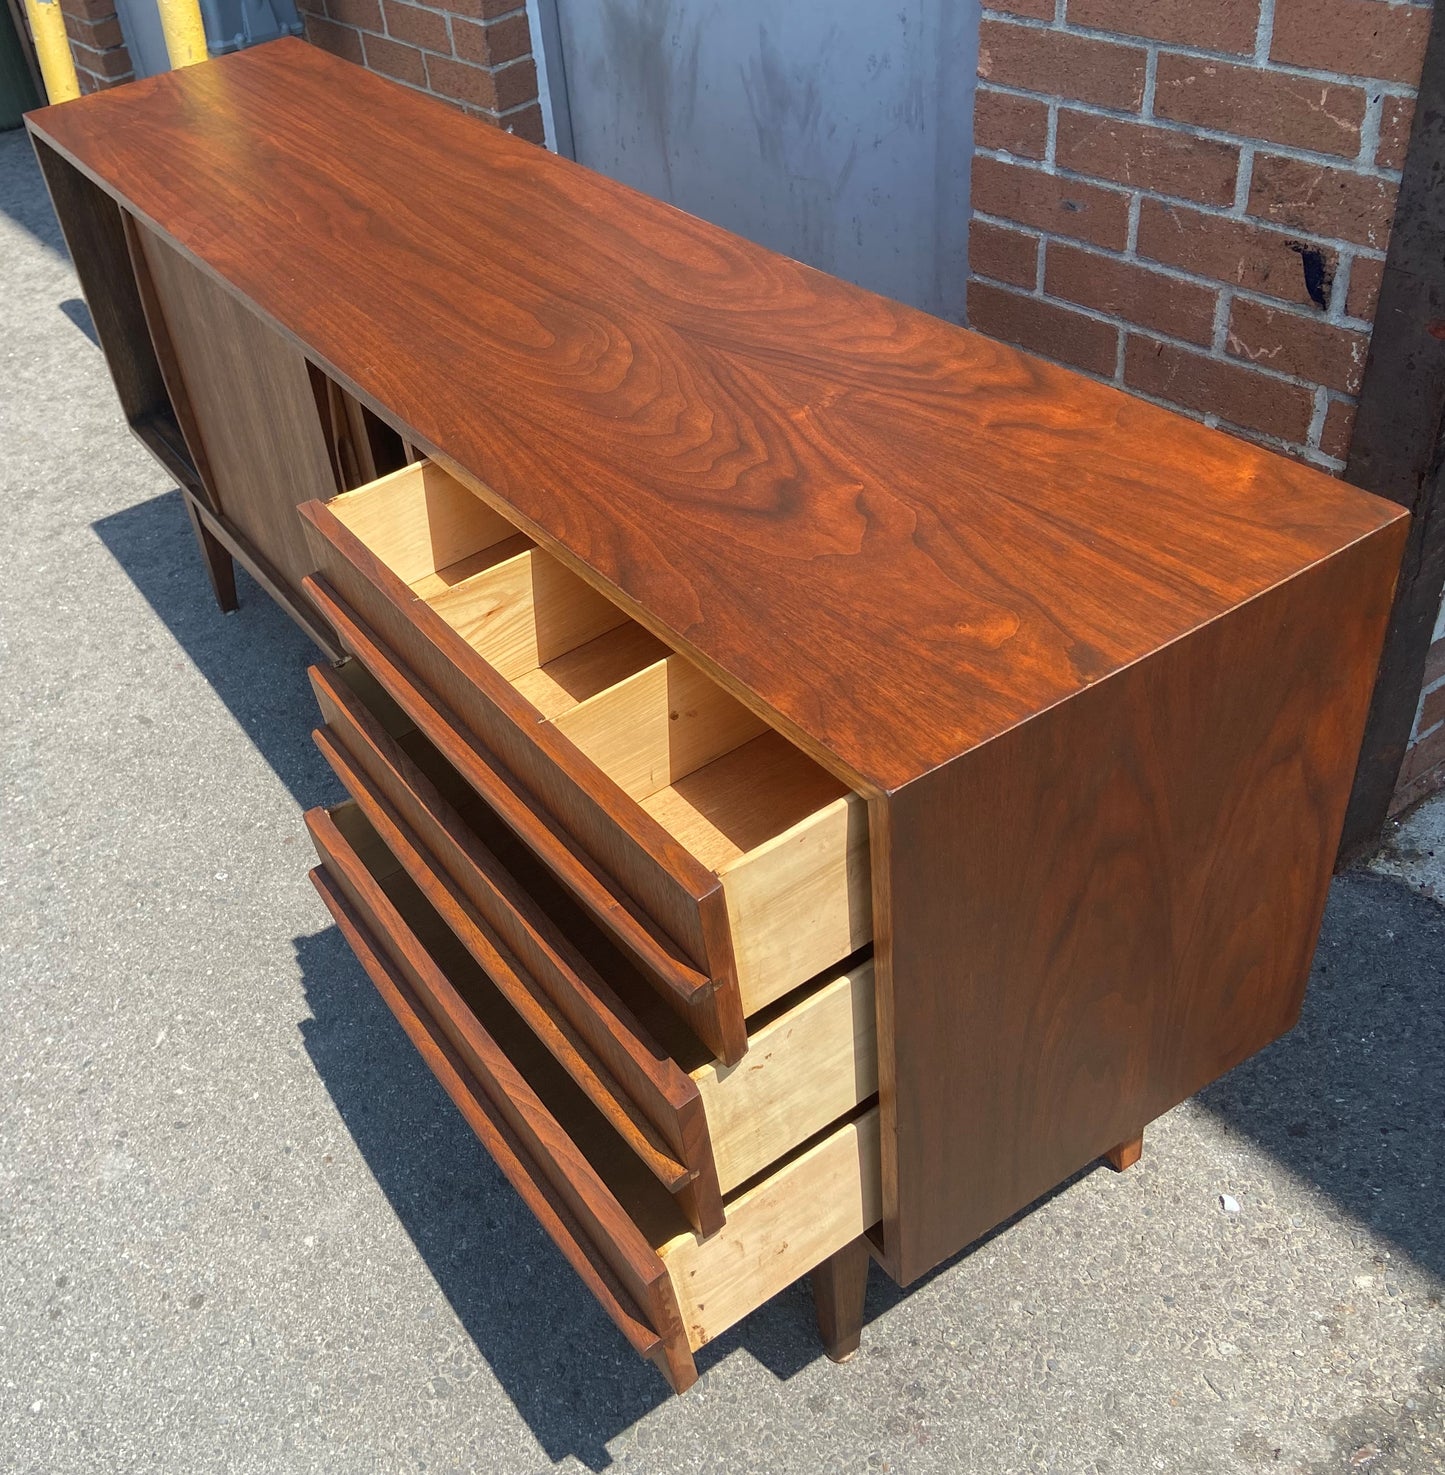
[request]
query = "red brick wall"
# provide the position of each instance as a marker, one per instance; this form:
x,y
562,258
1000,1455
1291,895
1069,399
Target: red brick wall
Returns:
x,y
1192,198
96,43
474,54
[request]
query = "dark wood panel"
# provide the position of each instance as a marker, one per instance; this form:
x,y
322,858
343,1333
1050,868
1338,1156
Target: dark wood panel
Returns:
x,y
257,436
895,538
94,231
1097,916
1398,447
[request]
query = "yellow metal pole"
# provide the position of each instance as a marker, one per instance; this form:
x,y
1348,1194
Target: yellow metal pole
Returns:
x,y
184,30
52,49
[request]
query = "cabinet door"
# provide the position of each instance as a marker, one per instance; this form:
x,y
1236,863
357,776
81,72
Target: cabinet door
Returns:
x,y
254,409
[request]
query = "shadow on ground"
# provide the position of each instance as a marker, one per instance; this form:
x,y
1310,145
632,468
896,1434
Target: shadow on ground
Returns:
x,y
1352,1100
25,199
75,309
564,1366
254,659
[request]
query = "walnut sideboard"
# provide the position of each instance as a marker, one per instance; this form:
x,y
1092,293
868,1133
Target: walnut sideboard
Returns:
x,y
818,778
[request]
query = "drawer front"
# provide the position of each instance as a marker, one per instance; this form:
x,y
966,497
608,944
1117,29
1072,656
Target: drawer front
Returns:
x,y
667,1287
647,863
807,1066
709,1005
653,1105
577,1209
809,1062
746,852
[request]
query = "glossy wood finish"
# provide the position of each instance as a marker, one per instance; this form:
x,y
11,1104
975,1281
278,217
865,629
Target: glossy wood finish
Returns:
x,y
1173,830
775,463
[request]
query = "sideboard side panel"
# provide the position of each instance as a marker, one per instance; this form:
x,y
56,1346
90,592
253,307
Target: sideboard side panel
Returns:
x,y
1106,908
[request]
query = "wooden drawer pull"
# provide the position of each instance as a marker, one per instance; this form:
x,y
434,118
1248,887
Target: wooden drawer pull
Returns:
x,y
452,1071
657,957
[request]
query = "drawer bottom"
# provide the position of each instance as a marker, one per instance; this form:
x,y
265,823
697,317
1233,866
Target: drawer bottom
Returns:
x,y
667,1288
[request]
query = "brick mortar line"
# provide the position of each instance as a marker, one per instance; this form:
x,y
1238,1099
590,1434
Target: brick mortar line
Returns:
x,y
1219,330
1338,312
1125,324
410,45
450,14
1219,212
1343,162
1244,181
1182,274
1317,418
1370,127
435,10
445,15
1243,59
1264,35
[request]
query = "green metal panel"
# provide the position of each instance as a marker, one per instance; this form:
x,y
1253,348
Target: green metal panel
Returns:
x,y
17,91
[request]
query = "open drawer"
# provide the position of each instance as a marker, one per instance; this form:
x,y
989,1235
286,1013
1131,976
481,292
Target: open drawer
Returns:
x,y
747,854
700,1126
668,1289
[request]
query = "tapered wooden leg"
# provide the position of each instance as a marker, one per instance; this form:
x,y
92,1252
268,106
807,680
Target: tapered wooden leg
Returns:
x,y
1126,1154
839,1284
217,558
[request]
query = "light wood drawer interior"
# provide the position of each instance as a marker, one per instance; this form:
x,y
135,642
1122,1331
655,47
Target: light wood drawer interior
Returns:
x,y
788,841
812,1055
776,1228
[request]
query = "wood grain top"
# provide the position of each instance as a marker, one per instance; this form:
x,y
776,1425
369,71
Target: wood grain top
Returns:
x,y
895,538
